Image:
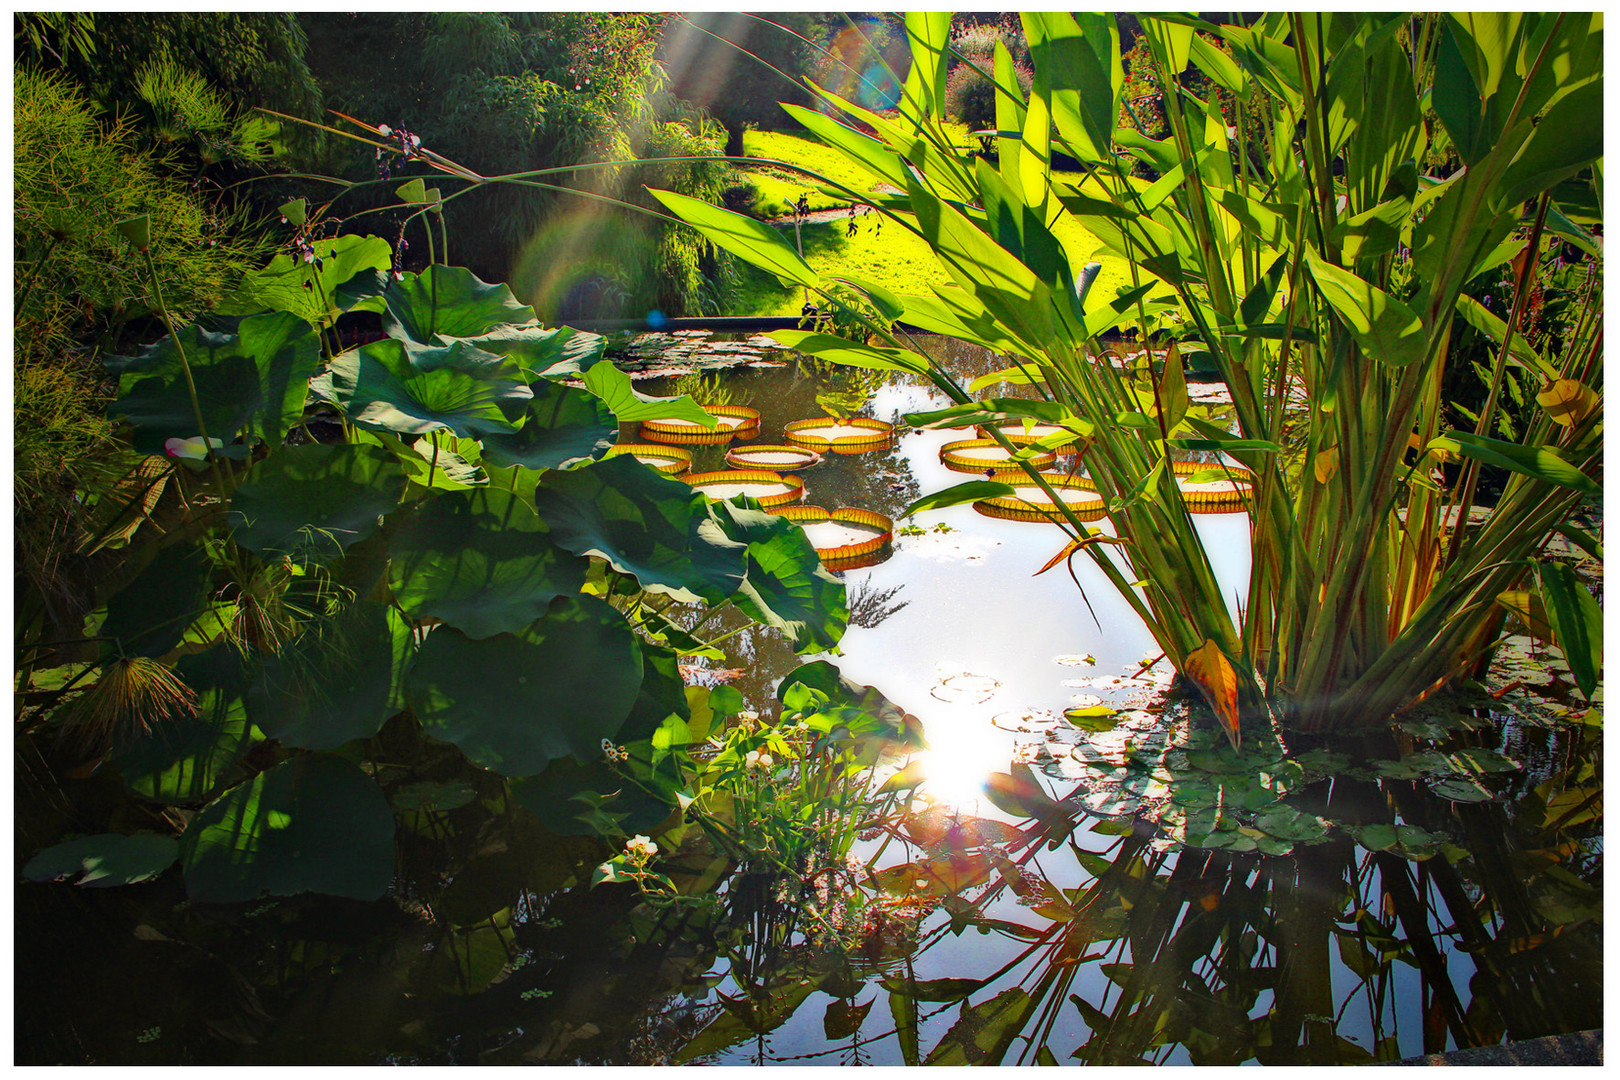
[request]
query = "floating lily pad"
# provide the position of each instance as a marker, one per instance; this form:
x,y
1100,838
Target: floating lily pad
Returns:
x,y
1461,790
1287,823
481,560
312,824
515,702
965,689
106,860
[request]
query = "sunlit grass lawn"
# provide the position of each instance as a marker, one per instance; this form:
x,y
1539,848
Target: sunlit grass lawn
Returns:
x,y
894,258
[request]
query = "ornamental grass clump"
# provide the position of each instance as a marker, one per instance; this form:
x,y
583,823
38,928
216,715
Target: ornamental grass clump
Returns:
x,y
1320,215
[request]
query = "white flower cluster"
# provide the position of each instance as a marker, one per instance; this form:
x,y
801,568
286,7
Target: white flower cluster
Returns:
x,y
641,849
757,760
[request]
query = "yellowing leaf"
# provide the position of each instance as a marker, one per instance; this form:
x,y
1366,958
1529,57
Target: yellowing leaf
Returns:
x,y
1074,546
1528,607
1568,402
1212,673
1327,464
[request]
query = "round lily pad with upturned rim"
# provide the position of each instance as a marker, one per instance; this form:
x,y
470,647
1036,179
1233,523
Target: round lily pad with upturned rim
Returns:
x,y
978,455
771,489
853,436
669,460
774,457
732,422
841,535
1029,503
1215,495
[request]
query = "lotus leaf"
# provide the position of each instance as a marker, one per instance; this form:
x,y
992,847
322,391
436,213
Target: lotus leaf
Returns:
x,y
149,616
515,702
315,500
482,561
584,799
561,426
643,524
318,292
630,406
448,301
186,760
252,379
312,824
542,353
787,588
105,860
381,386
337,682
439,795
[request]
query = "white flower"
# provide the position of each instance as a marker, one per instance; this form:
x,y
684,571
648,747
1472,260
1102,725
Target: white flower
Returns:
x,y
384,129
641,849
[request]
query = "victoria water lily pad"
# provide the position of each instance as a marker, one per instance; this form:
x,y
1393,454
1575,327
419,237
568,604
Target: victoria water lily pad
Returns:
x,y
482,560
312,824
646,525
252,379
105,860
514,702
561,425
315,500
339,681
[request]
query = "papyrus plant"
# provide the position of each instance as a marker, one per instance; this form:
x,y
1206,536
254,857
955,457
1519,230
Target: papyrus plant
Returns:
x,y
1322,202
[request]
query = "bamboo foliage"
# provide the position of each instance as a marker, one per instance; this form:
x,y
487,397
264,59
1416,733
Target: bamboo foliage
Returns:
x,y
1295,242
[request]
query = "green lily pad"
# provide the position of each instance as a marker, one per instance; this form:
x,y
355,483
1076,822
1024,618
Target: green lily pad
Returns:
x,y
482,560
252,380
448,302
312,824
313,501
1374,837
103,861
561,426
339,681
385,386
1461,790
643,524
542,353
1287,823
150,615
1093,718
515,702
1485,761
1271,845
314,293
1194,793
185,761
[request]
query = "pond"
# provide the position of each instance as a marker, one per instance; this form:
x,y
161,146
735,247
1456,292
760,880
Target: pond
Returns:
x,y
1120,888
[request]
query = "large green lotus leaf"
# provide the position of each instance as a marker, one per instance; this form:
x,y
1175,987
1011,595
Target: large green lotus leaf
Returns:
x,y
515,702
315,291
313,501
575,799
448,301
564,425
105,860
183,761
631,406
438,459
378,387
786,586
643,524
312,824
482,561
252,380
148,616
543,353
339,681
